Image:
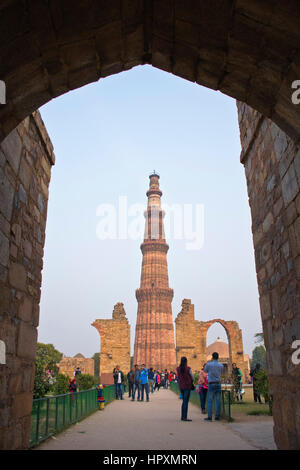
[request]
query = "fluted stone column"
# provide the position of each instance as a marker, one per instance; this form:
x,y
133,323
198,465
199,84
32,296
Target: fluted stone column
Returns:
x,y
154,336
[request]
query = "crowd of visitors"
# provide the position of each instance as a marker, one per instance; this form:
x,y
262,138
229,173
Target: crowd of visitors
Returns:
x,y
142,382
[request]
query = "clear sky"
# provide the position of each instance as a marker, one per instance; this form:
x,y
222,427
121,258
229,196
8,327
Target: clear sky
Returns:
x,y
108,137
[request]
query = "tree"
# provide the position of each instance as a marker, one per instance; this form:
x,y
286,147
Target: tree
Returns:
x,y
47,358
259,338
96,358
259,356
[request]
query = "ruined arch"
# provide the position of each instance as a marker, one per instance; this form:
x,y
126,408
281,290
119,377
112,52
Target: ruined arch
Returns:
x,y
191,337
235,341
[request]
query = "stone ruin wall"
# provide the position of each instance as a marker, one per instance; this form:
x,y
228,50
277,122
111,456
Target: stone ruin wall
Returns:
x,y
26,158
68,365
115,343
272,167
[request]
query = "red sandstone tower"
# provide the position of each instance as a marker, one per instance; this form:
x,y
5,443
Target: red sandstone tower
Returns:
x,y
154,334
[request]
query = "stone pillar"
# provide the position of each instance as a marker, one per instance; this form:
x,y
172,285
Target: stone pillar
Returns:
x,y
272,167
26,158
115,344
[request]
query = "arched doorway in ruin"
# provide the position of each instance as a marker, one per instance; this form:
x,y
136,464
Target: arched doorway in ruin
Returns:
x,y
191,338
235,343
247,50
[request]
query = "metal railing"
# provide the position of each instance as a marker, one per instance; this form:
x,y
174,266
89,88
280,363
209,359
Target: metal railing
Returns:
x,y
195,399
55,413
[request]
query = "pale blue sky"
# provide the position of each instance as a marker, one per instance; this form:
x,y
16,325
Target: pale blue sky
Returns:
x,y
108,137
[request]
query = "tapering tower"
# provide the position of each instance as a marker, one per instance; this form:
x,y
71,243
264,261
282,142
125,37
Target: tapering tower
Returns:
x,y
154,334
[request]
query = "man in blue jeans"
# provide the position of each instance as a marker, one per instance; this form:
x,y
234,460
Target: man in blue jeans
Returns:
x,y
118,380
136,385
214,369
143,379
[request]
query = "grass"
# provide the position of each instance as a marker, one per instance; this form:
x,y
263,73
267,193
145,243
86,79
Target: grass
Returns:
x,y
248,407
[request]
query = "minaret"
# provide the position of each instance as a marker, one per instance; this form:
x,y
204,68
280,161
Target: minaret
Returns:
x,y
154,334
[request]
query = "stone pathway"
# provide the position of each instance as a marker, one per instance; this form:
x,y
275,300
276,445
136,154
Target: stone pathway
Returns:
x,y
128,425
259,434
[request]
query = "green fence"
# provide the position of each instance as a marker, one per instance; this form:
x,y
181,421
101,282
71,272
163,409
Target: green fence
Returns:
x,y
194,398
54,413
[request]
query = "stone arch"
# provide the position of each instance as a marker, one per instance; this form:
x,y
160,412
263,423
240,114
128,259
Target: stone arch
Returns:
x,y
235,341
248,50
191,337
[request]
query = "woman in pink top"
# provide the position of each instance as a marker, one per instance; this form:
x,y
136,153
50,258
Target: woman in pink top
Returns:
x,y
203,387
157,381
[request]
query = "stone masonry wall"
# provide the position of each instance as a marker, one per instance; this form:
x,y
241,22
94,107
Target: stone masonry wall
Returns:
x,y
26,157
115,343
272,167
68,365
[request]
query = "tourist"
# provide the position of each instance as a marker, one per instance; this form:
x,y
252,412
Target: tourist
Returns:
x,y
72,387
256,391
237,381
151,379
130,380
136,385
143,380
124,384
118,380
157,381
170,377
202,388
214,369
162,379
77,371
185,382
166,379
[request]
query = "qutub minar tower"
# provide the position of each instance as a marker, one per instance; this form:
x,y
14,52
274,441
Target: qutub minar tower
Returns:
x,y
154,333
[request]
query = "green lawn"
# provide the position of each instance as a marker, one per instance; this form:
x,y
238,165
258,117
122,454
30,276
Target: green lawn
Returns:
x,y
248,407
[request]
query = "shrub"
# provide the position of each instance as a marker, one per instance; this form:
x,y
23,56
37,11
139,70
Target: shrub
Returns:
x,y
262,386
61,385
86,381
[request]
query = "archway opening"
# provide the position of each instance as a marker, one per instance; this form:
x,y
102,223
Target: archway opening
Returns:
x,y
41,74
217,340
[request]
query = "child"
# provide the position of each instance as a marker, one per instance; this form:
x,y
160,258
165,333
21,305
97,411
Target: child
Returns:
x,y
100,396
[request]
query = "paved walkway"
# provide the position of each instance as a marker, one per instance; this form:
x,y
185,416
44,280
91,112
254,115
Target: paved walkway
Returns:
x,y
128,425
